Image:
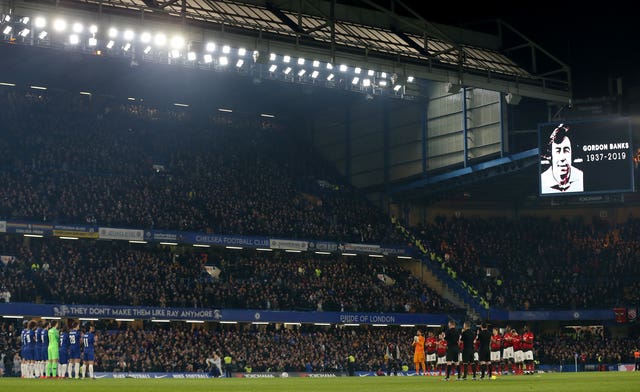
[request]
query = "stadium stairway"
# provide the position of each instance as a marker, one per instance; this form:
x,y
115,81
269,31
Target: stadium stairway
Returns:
x,y
440,279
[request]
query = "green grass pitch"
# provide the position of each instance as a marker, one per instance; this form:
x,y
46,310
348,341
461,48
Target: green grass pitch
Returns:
x,y
564,382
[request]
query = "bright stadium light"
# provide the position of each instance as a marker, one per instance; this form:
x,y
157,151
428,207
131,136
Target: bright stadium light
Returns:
x,y
210,47
382,83
42,35
316,63
24,32
319,252
286,59
129,35
177,42
343,68
383,75
223,60
40,22
93,29
59,25
239,63
329,66
7,30
110,44
287,70
77,28
234,247
191,56
7,18
126,47
145,37
357,70
272,57
208,59
370,72
147,49
397,87
201,246
410,79
366,82
315,74
301,61
226,49
74,39
160,39
113,32
25,20
355,80
175,53
330,77
273,68
301,72
242,52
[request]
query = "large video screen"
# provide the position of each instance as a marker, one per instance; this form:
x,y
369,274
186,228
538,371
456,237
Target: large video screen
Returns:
x,y
585,157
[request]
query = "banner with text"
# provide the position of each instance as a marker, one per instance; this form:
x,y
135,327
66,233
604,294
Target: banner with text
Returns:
x,y
110,233
288,244
210,314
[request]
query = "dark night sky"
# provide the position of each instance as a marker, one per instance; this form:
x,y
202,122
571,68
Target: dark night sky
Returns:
x,y
595,41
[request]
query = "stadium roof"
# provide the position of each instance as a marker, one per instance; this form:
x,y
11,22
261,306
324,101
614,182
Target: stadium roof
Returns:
x,y
409,45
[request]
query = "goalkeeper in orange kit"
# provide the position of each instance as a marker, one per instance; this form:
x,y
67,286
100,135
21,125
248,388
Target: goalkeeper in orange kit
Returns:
x,y
418,354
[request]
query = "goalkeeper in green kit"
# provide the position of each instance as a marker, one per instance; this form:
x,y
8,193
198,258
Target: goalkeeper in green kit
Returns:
x,y
54,341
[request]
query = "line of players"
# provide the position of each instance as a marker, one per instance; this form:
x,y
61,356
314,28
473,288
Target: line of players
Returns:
x,y
481,351
51,353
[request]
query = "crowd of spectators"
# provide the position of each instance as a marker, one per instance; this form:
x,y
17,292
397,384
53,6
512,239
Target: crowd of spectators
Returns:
x,y
82,160
538,263
118,273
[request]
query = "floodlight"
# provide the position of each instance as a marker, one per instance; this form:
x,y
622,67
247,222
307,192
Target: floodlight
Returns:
x,y
93,41
383,75
287,70
128,35
315,74
43,34
208,58
370,72
242,52
273,68
272,57
40,22
59,25
330,77
24,32
366,82
126,47
110,44
175,53
93,29
357,70
343,68
147,49
355,80
226,49
239,63
410,79
113,32
329,66
302,72
74,39
145,37
316,63
177,42
160,40
286,59
382,83
210,47
397,87
301,61
25,20
7,30
191,56
77,28
223,60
